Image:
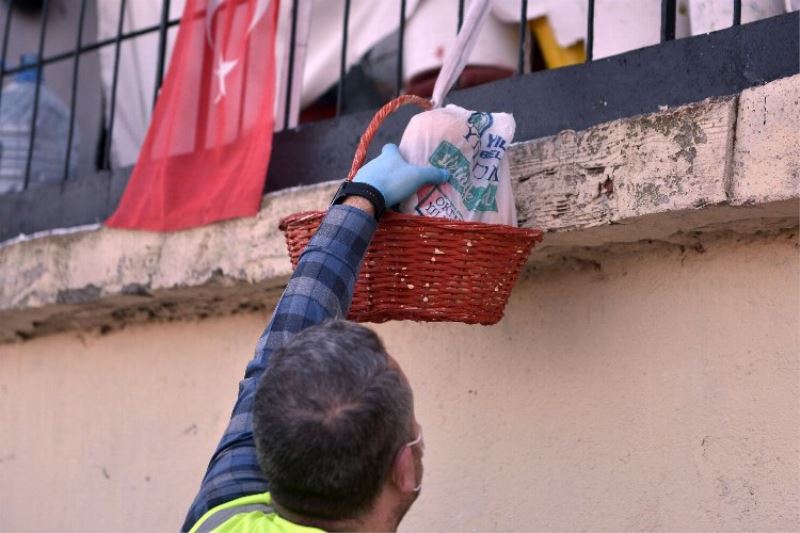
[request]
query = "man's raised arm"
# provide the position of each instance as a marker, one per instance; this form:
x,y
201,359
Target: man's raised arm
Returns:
x,y
321,288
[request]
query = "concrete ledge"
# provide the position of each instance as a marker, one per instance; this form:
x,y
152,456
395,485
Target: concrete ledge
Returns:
x,y
721,167
107,277
766,162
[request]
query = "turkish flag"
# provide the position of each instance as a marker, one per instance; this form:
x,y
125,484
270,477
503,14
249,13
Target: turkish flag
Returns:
x,y
206,153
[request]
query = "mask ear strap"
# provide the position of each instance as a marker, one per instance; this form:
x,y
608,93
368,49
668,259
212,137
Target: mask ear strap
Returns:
x,y
415,441
411,444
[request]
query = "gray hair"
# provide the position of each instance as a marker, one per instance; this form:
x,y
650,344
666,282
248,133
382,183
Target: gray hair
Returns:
x,y
330,415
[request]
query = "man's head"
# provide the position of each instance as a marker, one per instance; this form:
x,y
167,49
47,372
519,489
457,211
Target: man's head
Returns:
x,y
333,415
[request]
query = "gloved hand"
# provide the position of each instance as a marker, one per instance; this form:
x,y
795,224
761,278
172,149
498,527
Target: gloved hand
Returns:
x,y
396,179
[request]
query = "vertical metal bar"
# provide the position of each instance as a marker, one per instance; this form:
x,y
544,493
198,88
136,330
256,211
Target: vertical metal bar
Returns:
x,y
401,39
523,27
162,48
668,10
457,84
74,94
6,33
39,68
737,12
590,32
290,72
112,108
343,60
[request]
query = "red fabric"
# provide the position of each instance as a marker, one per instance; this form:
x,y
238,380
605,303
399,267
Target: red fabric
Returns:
x,y
206,153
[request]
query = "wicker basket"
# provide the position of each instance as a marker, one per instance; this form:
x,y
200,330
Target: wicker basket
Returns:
x,y
424,268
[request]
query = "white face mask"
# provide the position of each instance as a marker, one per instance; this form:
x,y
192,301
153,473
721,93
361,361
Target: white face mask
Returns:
x,y
421,443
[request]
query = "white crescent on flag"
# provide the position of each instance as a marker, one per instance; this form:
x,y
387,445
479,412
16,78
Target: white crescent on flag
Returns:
x,y
211,9
258,13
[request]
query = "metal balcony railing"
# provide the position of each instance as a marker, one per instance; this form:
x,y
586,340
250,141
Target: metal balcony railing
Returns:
x,y
668,23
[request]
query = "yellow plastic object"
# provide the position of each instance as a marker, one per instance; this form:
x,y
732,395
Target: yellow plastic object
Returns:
x,y
554,55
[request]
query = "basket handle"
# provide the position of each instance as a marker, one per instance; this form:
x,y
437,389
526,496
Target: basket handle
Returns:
x,y
375,123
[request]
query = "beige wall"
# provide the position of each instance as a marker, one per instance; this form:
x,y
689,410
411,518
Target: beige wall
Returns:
x,y
657,391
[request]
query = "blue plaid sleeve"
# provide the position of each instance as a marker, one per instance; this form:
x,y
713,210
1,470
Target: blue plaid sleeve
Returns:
x,y
320,288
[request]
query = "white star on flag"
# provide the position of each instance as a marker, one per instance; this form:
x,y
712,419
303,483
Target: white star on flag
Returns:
x,y
223,69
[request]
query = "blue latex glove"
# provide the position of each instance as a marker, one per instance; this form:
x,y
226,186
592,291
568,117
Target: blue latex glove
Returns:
x,y
396,179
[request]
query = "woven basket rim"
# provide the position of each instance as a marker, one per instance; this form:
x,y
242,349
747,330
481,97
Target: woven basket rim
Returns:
x,y
299,218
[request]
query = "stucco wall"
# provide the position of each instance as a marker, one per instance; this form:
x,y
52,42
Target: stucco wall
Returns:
x,y
653,390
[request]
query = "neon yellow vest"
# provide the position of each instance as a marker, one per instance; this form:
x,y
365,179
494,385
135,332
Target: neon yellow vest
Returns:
x,y
250,513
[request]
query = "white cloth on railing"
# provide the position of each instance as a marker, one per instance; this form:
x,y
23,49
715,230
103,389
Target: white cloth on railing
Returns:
x,y
711,15
370,21
620,25
137,71
624,25
431,34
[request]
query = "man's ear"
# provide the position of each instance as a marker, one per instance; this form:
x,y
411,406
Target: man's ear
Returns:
x,y
404,474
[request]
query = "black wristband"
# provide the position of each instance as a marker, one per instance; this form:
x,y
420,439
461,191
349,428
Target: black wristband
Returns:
x,y
364,190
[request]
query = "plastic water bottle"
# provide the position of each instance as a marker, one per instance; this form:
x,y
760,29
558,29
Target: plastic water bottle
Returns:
x,y
52,131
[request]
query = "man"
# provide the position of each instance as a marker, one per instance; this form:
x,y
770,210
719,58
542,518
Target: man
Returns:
x,y
323,434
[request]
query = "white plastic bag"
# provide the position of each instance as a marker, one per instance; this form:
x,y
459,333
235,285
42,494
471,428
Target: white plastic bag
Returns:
x,y
472,146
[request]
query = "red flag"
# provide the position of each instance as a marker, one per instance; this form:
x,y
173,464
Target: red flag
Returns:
x,y
206,152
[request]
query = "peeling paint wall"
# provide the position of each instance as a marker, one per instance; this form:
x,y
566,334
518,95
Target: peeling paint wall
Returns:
x,y
727,164
652,390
